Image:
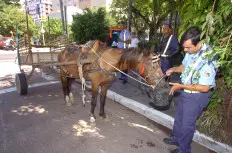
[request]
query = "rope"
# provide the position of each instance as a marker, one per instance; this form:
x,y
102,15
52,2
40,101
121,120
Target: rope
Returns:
x,y
83,83
124,72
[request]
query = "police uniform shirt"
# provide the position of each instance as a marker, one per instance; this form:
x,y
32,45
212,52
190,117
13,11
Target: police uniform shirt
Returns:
x,y
200,68
124,35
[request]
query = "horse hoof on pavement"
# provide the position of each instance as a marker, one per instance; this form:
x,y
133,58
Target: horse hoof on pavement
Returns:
x,y
92,119
103,115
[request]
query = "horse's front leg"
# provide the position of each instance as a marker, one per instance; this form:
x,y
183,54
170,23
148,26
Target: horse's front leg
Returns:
x,y
93,105
104,89
64,81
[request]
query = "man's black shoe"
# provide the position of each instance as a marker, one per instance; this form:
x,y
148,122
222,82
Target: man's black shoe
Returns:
x,y
175,151
170,141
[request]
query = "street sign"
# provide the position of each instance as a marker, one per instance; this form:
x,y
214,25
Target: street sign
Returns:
x,y
42,31
43,18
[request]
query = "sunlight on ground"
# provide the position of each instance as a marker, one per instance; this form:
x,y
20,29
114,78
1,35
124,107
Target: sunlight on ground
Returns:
x,y
83,127
29,109
5,84
143,127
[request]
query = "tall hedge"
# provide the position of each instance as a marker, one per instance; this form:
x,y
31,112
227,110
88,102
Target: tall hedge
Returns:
x,y
90,25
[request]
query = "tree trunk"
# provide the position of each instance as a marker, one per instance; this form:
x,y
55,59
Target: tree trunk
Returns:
x,y
176,24
130,15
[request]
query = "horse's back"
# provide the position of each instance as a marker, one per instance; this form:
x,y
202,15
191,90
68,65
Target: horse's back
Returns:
x,y
70,53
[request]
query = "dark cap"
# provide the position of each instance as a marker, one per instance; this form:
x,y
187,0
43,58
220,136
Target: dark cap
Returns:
x,y
167,24
122,22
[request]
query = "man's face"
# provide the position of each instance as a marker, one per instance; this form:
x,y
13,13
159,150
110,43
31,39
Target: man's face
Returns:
x,y
122,26
190,48
165,30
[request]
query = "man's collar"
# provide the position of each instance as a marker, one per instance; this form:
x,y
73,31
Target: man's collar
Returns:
x,y
202,49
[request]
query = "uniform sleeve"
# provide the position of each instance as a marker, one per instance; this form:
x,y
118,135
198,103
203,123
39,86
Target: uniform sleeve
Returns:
x,y
185,59
128,35
173,46
207,75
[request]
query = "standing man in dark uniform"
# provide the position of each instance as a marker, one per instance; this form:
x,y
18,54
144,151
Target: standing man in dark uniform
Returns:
x,y
167,47
198,71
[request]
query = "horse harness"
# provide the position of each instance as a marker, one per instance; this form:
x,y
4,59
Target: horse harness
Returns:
x,y
89,58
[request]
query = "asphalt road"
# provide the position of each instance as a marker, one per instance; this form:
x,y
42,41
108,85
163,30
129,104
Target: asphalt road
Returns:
x,y
7,55
41,123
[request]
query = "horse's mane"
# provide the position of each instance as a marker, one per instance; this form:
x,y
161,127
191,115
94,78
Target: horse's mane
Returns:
x,y
130,57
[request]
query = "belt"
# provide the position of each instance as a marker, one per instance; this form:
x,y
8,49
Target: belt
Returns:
x,y
189,91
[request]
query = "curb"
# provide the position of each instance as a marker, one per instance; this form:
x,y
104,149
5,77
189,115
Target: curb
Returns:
x,y
168,122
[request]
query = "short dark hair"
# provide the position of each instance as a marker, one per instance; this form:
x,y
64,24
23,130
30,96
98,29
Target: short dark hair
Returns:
x,y
194,34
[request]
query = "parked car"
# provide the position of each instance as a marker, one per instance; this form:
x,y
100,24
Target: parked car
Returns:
x,y
2,44
7,43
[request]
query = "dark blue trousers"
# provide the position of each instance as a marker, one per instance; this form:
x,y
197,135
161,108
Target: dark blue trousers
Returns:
x,y
190,106
164,65
124,77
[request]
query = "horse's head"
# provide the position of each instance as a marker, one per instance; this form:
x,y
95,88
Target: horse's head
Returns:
x,y
149,68
93,45
142,60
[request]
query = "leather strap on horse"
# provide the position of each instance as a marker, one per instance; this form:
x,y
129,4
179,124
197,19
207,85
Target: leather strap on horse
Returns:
x,y
142,69
102,70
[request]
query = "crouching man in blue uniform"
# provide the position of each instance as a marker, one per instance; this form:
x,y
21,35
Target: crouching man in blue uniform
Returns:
x,y
198,70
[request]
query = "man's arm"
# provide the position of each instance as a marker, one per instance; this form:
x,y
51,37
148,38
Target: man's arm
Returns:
x,y
126,41
196,87
177,69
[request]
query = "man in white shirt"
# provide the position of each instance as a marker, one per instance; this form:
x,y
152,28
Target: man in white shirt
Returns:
x,y
134,41
123,42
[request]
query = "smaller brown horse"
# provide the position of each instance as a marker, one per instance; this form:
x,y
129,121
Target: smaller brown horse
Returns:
x,y
99,64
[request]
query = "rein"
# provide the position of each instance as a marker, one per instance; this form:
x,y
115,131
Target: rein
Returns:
x,y
146,84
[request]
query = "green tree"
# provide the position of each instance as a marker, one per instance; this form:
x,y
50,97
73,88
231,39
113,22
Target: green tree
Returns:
x,y
10,17
55,26
214,17
90,25
4,3
147,14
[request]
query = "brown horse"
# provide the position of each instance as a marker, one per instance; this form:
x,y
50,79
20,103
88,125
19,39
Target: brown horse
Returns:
x,y
99,64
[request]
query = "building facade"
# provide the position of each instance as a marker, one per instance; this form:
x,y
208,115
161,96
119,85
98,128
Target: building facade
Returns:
x,y
81,4
39,9
56,4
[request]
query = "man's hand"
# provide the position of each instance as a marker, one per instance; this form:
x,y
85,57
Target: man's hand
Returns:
x,y
169,71
175,87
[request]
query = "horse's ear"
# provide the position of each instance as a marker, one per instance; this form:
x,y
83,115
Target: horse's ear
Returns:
x,y
140,59
96,45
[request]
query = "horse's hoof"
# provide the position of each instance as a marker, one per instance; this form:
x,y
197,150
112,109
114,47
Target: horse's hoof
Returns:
x,y
92,119
83,105
103,115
